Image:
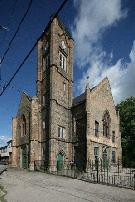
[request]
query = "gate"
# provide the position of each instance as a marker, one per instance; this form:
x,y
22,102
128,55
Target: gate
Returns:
x,y
110,174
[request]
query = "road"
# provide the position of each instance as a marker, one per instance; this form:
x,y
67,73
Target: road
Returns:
x,y
23,186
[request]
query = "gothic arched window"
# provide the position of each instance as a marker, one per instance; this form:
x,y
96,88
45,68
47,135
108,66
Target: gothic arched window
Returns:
x,y
23,126
106,124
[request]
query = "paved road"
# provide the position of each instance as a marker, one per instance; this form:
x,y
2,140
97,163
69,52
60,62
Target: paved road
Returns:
x,y
23,186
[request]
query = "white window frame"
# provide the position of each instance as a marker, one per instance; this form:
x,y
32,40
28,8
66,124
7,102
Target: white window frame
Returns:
x,y
61,132
62,61
43,124
64,87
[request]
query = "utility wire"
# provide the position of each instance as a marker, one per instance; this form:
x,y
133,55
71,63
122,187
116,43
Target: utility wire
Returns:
x,y
17,30
29,53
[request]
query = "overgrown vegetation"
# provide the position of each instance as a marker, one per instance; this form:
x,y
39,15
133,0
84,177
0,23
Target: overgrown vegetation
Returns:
x,y
127,124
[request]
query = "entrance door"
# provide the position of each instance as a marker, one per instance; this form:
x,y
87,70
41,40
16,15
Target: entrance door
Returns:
x,y
59,162
24,157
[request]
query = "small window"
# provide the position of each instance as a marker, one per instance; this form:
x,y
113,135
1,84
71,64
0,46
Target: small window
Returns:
x,y
46,62
46,46
62,61
113,157
96,128
64,87
113,136
43,100
61,132
43,124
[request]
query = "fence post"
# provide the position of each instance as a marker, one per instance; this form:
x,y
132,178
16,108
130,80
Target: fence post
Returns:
x,y
97,166
134,182
130,177
118,167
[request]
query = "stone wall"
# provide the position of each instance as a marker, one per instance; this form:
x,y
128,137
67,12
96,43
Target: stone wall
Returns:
x,y
98,101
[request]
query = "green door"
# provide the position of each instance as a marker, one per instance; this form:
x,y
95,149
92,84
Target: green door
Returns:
x,y
59,162
24,157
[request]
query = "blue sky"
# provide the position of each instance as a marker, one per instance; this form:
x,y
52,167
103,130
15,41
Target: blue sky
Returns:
x,y
104,34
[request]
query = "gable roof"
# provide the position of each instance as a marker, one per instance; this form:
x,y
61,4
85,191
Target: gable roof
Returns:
x,y
79,99
105,80
24,97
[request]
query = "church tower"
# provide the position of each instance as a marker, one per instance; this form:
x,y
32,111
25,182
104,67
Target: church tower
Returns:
x,y
54,90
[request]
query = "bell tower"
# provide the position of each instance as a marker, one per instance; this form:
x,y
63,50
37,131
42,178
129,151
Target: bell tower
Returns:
x,y
54,90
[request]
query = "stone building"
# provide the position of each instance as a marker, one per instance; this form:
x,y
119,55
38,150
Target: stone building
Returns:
x,y
55,128
6,153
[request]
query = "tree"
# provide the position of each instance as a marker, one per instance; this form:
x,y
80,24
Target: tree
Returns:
x,y
127,124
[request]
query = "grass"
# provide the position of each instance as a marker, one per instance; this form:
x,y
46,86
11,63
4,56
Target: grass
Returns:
x,y
2,199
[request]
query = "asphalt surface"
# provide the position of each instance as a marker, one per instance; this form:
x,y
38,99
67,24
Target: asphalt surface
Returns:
x,y
23,186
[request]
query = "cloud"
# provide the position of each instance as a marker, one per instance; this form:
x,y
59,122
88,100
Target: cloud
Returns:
x,y
3,140
121,76
94,17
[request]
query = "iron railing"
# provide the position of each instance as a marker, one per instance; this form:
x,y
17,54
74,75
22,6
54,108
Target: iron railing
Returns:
x,y
110,174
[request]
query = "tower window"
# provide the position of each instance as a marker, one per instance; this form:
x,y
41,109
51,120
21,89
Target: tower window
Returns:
x,y
96,128
46,62
62,61
61,132
46,46
43,124
64,87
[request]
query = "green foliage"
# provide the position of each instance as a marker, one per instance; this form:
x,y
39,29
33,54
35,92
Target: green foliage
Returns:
x,y
127,124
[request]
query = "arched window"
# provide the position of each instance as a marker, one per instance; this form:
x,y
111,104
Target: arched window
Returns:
x,y
106,124
23,126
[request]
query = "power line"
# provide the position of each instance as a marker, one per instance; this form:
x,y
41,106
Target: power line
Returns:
x,y
29,53
17,30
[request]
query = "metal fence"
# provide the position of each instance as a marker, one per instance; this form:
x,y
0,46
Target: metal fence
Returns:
x,y
97,172
110,174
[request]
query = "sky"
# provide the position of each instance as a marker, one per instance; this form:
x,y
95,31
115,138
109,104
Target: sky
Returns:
x,y
104,38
